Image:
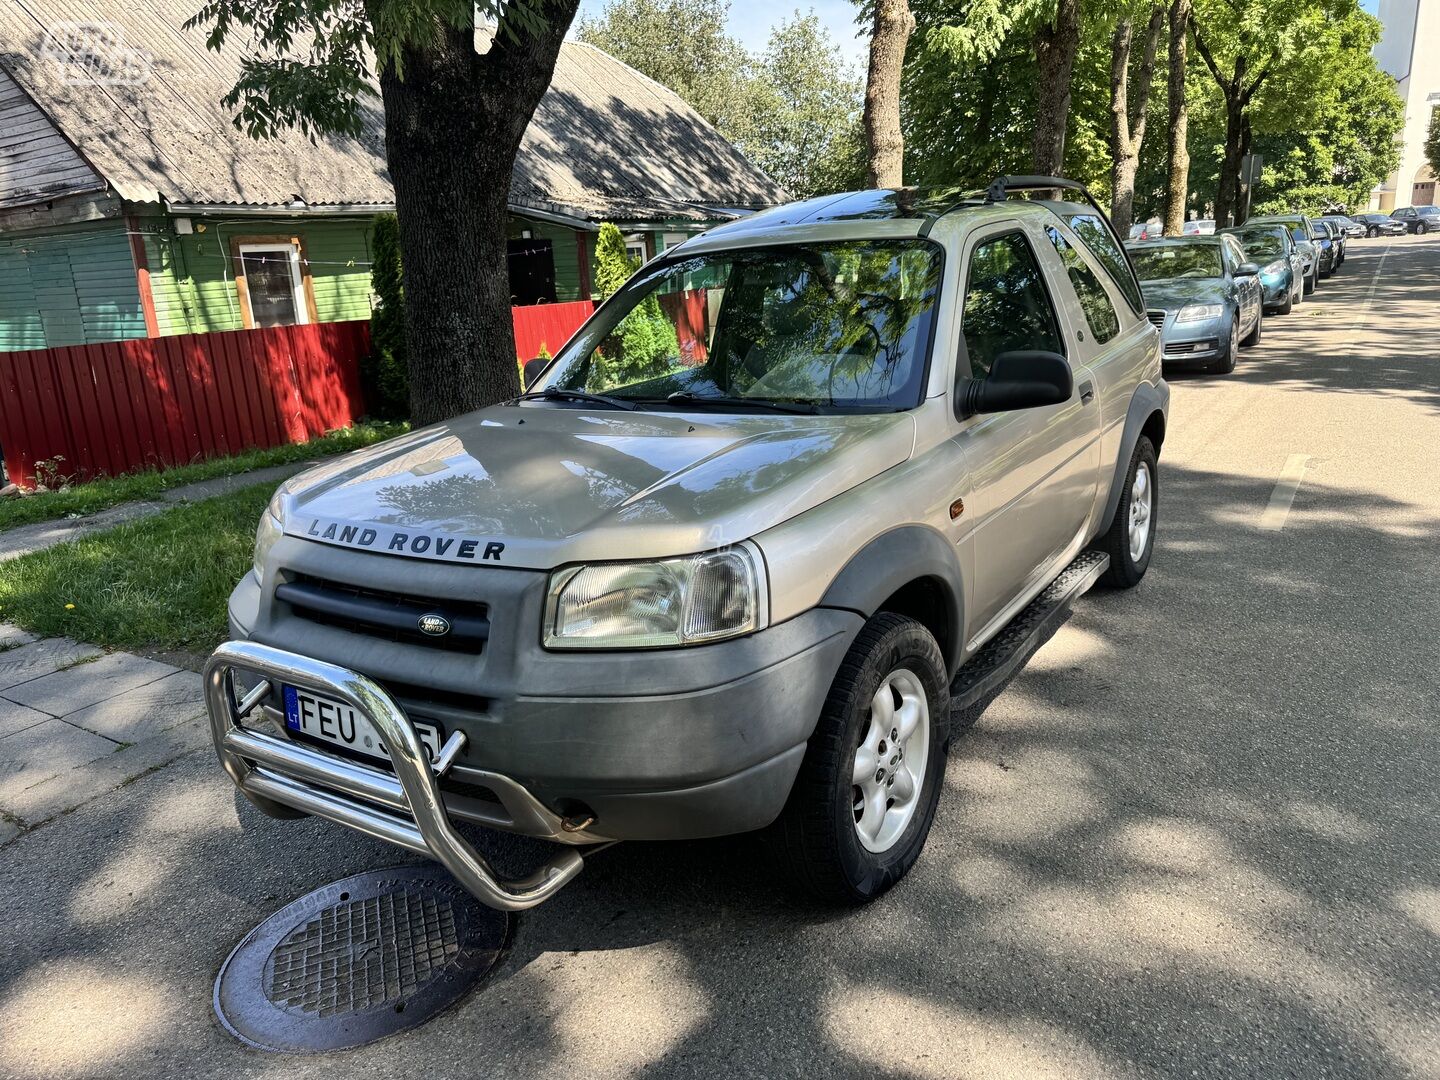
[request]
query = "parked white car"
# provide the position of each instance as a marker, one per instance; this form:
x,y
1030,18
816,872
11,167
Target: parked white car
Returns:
x,y
1201,227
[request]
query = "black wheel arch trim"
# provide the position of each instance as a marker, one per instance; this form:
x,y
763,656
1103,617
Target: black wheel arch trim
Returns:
x,y
1146,402
889,563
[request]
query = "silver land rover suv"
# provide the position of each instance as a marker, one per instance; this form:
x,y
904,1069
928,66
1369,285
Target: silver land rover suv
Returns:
x,y
774,524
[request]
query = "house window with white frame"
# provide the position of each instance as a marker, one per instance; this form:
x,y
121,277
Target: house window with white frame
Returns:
x,y
635,248
271,279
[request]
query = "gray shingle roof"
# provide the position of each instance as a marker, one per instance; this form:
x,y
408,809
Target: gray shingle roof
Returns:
x,y
606,142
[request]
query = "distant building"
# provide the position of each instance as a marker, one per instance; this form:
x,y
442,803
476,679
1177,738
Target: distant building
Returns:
x,y
131,206
1409,50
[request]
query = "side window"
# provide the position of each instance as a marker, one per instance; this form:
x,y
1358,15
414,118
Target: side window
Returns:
x,y
1237,254
1006,305
1094,300
1095,236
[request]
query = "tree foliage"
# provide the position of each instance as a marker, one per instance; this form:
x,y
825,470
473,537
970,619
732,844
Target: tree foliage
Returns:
x,y
644,340
1325,117
1432,142
794,110
383,374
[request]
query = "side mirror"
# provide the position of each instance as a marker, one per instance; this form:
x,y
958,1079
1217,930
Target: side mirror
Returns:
x,y
534,369
1247,269
1318,235
1022,379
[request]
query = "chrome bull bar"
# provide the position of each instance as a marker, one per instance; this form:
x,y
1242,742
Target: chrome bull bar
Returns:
x,y
405,809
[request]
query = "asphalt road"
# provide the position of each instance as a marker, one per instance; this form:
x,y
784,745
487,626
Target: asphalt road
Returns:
x,y
1197,836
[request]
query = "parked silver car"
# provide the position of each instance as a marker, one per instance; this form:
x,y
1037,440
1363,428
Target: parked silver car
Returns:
x,y
764,534
1205,297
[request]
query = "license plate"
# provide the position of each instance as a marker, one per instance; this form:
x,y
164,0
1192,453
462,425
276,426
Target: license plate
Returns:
x,y
334,721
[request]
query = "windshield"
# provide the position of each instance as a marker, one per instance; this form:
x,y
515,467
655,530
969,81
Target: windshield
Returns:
x,y
1160,263
840,326
1261,244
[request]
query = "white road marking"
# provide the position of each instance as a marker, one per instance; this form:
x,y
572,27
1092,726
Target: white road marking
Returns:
x,y
1276,513
1359,323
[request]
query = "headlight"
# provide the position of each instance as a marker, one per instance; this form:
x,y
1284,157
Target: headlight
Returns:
x,y
640,605
1198,312
272,527
1276,267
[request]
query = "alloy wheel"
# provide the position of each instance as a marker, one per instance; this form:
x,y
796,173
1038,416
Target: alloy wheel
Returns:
x,y
890,760
1142,501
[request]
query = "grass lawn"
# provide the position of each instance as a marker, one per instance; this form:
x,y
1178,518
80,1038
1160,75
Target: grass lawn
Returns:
x,y
159,583
109,491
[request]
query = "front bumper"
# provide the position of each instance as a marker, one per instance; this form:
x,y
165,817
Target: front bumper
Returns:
x,y
1193,342
1275,289
650,744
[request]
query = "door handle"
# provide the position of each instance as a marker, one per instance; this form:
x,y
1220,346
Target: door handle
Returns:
x,y
1087,393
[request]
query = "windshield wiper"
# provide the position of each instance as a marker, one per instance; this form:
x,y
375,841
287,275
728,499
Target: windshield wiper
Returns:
x,y
685,397
555,393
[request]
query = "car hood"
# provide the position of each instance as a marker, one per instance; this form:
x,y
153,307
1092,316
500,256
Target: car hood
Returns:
x,y
1172,294
543,486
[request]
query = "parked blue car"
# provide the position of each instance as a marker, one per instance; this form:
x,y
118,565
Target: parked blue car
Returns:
x,y
1203,294
1282,267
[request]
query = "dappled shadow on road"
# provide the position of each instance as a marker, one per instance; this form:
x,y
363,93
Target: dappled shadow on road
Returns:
x,y
1196,835
1349,336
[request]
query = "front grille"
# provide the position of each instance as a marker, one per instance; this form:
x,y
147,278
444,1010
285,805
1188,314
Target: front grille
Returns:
x,y
1156,316
385,615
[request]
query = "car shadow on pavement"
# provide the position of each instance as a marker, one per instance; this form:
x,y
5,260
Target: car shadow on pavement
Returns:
x,y
1196,835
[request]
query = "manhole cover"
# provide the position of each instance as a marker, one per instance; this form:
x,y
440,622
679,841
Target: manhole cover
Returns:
x,y
358,960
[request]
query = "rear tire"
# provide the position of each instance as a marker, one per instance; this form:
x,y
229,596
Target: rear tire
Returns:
x,y
1372,232
824,836
1128,548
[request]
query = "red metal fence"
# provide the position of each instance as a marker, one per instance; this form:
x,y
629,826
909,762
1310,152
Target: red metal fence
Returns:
x,y
151,402
547,326
125,405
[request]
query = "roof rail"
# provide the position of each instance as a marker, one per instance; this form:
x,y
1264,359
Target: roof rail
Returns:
x,y
1001,186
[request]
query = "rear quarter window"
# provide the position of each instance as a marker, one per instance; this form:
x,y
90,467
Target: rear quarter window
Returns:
x,y
1101,243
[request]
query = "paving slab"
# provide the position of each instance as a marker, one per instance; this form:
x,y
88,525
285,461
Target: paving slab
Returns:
x,y
79,785
15,717
67,691
50,749
11,636
40,658
143,711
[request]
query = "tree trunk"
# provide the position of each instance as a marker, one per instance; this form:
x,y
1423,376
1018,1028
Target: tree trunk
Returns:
x,y
886,145
453,126
1227,194
1177,181
1127,118
1056,44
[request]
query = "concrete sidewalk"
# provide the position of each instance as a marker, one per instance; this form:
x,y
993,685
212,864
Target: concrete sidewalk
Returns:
x,y
43,534
77,722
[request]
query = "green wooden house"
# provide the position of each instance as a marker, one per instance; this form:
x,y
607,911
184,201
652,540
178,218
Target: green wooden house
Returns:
x,y
131,206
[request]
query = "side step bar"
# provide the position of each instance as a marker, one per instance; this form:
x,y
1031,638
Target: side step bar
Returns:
x,y
1004,654
405,808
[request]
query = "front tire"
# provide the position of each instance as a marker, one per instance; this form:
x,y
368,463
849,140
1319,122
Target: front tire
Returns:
x,y
865,797
1421,229
1313,279
1253,338
1225,364
1372,232
1130,540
